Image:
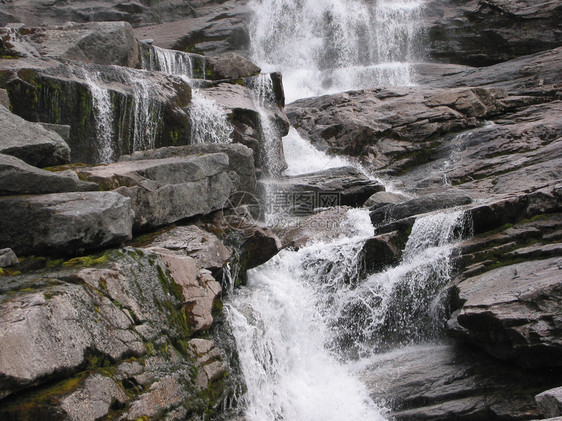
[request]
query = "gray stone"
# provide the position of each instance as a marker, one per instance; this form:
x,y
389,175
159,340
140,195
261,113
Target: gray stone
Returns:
x,y
207,250
345,186
164,191
64,223
383,251
240,157
550,402
383,198
443,382
8,258
483,33
61,129
395,128
513,312
94,399
424,204
231,66
17,177
30,142
94,42
4,99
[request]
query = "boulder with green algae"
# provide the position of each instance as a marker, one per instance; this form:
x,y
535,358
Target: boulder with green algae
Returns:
x,y
105,106
117,331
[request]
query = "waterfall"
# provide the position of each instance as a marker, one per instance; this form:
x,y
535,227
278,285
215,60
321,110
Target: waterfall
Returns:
x,y
209,122
306,316
324,46
280,337
103,114
264,98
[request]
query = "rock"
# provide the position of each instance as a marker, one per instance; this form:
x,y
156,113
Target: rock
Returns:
x,y
30,142
323,226
162,395
259,246
199,289
8,258
17,177
519,152
442,381
550,402
395,128
240,157
64,223
61,129
208,358
215,29
302,194
239,103
383,198
94,399
481,33
95,42
4,99
47,333
207,250
382,251
164,191
65,94
231,66
424,204
511,312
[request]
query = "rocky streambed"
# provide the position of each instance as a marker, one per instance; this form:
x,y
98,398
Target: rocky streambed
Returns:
x,y
115,265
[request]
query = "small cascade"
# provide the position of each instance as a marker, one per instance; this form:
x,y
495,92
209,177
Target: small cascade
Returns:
x,y
280,338
327,46
209,122
307,316
103,113
303,158
168,61
264,99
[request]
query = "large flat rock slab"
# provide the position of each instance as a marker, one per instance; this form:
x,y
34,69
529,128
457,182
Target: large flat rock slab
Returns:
x,y
31,142
64,223
163,191
17,177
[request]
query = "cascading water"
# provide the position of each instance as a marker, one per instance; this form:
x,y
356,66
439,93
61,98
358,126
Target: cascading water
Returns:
x,y
209,122
264,98
324,46
306,314
103,113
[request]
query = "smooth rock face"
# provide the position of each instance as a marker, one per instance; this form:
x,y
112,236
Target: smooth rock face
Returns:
x,y
392,128
164,191
550,402
7,258
64,223
417,206
96,42
94,399
17,177
482,33
344,186
242,170
383,198
204,247
513,312
444,382
231,66
30,142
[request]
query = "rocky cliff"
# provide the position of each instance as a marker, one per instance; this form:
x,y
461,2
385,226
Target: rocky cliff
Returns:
x,y
121,233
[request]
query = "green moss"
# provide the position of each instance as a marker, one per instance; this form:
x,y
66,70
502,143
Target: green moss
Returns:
x,y
93,260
